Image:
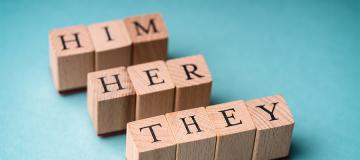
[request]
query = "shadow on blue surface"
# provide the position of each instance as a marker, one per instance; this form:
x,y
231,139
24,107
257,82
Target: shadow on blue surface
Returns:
x,y
300,148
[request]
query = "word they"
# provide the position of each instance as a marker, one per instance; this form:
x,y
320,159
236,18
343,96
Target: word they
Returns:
x,y
239,130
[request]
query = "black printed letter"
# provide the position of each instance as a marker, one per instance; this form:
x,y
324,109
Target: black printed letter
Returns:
x,y
151,76
140,28
226,117
188,72
152,131
187,125
105,85
270,113
108,33
63,41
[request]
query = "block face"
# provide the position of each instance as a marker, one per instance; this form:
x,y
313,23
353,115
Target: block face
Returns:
x,y
111,99
193,81
150,139
71,47
149,36
112,44
194,134
235,130
154,89
274,123
71,57
189,71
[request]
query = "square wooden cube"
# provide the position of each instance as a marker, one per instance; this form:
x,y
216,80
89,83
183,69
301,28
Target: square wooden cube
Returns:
x,y
194,134
235,130
150,139
71,57
274,123
154,89
192,80
112,44
149,36
111,100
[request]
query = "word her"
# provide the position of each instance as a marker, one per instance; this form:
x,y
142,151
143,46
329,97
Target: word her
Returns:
x,y
120,95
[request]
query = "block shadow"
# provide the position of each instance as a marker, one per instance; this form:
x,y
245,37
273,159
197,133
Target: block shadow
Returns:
x,y
300,148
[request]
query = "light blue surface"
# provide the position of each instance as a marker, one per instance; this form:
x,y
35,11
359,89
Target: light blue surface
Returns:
x,y
308,51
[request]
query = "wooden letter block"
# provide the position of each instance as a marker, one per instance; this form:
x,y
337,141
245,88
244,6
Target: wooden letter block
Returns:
x,y
112,44
274,123
111,100
71,57
194,134
235,130
154,89
149,37
150,139
192,80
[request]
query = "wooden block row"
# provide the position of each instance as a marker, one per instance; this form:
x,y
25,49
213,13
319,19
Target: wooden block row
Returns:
x,y
119,95
240,130
78,50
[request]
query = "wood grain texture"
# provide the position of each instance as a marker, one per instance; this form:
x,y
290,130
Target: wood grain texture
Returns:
x,y
112,44
152,99
70,63
274,128
141,144
149,36
193,81
193,145
235,130
111,105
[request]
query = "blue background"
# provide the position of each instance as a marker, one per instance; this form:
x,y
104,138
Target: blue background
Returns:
x,y
308,51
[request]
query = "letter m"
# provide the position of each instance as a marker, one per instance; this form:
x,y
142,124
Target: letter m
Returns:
x,y
141,29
